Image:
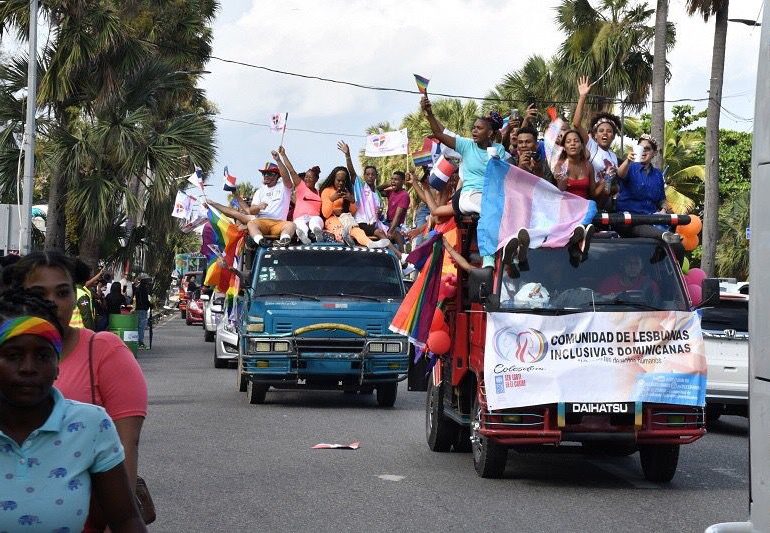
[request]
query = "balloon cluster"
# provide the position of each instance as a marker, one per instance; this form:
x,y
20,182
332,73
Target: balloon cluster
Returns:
x,y
689,233
448,287
694,278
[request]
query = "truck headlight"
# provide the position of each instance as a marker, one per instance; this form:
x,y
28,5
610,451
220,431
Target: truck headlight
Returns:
x,y
257,346
376,347
281,346
393,347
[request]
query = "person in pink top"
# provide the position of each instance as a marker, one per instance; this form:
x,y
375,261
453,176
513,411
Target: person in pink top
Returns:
x,y
118,382
398,205
307,202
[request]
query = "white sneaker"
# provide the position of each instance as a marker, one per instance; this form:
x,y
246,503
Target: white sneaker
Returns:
x,y
302,236
382,243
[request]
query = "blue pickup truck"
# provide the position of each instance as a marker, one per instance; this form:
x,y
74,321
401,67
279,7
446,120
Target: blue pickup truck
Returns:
x,y
317,317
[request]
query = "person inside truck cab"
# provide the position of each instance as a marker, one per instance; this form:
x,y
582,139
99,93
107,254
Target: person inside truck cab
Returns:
x,y
631,277
338,205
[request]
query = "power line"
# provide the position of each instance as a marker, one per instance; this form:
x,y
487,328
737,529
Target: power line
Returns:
x,y
291,129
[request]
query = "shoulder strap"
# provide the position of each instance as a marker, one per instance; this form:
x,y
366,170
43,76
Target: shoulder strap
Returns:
x,y
91,367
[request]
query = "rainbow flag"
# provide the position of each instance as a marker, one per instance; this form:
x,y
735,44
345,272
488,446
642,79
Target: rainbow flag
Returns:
x,y
227,236
415,313
425,156
422,83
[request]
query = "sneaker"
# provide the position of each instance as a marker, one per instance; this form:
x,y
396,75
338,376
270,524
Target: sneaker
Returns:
x,y
302,236
382,243
251,243
283,241
671,238
319,235
346,238
573,246
510,250
523,237
408,269
264,243
141,346
586,244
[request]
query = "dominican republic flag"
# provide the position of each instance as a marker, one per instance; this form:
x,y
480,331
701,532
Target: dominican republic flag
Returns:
x,y
388,143
441,172
515,199
196,179
427,155
229,181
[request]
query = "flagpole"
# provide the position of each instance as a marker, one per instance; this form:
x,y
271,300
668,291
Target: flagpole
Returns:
x,y
285,123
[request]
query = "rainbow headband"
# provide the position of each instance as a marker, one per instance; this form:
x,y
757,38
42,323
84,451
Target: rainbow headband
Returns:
x,y
31,325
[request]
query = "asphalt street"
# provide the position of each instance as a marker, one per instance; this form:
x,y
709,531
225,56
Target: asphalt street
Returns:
x,y
215,463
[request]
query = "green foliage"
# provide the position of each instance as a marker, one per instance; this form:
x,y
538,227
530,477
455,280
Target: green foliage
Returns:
x,y
732,257
734,162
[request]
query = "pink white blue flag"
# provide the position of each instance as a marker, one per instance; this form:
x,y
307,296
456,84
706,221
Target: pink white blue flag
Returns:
x,y
515,199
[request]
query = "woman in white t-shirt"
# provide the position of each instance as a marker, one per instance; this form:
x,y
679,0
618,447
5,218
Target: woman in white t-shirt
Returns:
x,y
604,127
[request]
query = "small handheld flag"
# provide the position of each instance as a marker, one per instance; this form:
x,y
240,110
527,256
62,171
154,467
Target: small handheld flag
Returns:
x,y
425,156
196,179
229,181
422,83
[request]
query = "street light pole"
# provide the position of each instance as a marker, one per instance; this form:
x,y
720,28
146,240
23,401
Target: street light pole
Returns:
x,y
29,134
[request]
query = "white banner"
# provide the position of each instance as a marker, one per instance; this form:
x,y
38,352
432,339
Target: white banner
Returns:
x,y
651,356
388,143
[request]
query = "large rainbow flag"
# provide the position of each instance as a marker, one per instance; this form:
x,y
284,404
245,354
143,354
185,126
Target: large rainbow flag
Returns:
x,y
227,237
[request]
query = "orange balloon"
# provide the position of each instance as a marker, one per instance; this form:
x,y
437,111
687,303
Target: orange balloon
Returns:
x,y
690,242
695,224
438,321
439,342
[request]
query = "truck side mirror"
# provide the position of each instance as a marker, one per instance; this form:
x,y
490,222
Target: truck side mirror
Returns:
x,y
709,292
480,284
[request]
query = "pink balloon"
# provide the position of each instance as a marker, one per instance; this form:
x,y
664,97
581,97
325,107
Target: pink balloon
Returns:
x,y
696,294
696,276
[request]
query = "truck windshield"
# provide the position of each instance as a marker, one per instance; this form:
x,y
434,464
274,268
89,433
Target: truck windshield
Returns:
x,y
619,274
337,273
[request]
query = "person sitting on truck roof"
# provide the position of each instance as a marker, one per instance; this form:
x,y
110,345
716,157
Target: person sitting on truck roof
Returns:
x,y
398,205
307,204
642,192
270,207
338,207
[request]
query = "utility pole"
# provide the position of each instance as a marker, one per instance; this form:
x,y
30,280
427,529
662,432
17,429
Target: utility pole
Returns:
x,y
29,134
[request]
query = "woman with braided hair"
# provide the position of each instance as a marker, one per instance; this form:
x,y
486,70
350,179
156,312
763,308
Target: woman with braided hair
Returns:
x,y
55,453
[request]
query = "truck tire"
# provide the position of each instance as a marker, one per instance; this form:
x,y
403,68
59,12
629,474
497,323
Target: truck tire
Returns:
x,y
440,432
386,394
489,458
242,381
256,392
659,461
209,336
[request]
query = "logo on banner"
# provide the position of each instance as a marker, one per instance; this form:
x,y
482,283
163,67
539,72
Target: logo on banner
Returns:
x,y
499,385
378,140
527,346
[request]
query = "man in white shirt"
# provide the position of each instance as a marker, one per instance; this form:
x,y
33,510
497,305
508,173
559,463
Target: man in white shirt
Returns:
x,y
270,207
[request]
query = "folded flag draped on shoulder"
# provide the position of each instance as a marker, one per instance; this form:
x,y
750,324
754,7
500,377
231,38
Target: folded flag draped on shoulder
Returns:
x,y
515,199
427,155
230,181
387,143
227,237
415,314
441,172
422,83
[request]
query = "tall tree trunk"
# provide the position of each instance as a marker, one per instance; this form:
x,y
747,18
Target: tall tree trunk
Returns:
x,y
659,79
711,201
89,249
55,222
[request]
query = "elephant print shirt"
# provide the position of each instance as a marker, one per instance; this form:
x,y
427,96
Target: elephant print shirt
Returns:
x,y
45,484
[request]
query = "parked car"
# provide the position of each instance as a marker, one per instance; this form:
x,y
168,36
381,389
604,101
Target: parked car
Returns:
x,y
226,344
195,303
726,335
184,284
213,311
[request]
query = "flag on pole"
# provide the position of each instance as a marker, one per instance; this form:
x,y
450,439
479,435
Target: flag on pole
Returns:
x,y
426,156
196,179
422,83
182,206
227,237
441,172
277,122
515,199
229,181
388,143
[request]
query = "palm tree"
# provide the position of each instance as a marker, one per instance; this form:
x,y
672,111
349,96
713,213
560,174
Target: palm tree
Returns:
x,y
719,9
732,257
611,41
535,82
659,78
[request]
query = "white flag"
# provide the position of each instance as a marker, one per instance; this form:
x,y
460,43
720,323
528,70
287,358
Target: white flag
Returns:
x,y
182,206
196,179
277,122
388,143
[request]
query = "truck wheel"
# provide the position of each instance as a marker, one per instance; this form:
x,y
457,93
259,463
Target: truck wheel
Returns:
x,y
242,380
714,411
256,392
659,461
386,394
440,432
489,458
209,336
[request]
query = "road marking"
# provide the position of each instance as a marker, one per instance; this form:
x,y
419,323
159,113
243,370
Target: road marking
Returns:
x,y
390,477
729,472
622,473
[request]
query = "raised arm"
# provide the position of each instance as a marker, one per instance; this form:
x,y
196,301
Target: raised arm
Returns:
x,y
343,147
426,196
435,126
583,89
293,173
529,116
286,176
623,168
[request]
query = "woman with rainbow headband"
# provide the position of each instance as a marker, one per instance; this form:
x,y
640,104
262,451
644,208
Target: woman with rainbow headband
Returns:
x,y
54,453
94,367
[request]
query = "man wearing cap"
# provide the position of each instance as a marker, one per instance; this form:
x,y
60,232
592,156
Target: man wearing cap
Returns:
x,y
270,207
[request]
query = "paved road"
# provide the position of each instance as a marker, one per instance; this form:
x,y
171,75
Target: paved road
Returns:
x,y
216,463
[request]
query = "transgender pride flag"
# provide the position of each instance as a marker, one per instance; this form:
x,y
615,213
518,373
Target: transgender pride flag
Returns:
x,y
515,199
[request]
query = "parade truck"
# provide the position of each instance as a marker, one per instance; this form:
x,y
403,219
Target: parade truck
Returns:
x,y
317,317
606,352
